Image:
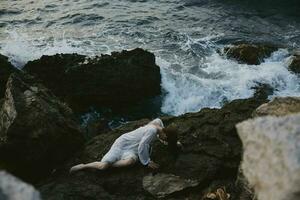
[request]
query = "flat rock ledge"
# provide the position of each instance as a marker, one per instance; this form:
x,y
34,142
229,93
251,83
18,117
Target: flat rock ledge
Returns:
x,y
163,185
12,188
271,160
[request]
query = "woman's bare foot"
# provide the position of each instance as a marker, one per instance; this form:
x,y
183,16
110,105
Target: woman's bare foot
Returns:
x,y
76,168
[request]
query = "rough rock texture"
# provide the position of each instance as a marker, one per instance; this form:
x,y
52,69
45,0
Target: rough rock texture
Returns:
x,y
12,188
162,185
97,127
295,64
36,129
122,79
271,160
211,155
279,106
6,69
246,192
252,54
1,102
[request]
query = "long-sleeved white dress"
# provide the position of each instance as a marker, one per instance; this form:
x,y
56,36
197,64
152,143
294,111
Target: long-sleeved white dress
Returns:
x,y
134,144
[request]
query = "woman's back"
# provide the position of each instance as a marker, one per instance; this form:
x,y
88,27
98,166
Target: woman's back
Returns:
x,y
132,139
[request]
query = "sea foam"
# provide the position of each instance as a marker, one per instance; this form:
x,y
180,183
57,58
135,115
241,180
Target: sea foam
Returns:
x,y
219,80
21,48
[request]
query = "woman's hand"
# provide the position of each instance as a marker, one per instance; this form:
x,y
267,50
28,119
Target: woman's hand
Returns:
x,y
153,165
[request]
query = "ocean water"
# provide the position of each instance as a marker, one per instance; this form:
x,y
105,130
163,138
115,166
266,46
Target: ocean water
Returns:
x,y
183,34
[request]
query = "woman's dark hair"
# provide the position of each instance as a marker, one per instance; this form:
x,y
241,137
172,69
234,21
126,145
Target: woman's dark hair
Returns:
x,y
172,135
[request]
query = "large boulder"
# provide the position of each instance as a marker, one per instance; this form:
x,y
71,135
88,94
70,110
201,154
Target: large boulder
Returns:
x,y
279,106
251,54
37,131
6,68
11,188
118,80
271,160
210,156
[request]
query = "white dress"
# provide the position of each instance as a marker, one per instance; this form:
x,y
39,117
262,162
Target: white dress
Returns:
x,y
134,144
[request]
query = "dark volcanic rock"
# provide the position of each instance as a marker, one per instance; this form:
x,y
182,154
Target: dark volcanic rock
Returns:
x,y
122,79
1,102
6,69
211,152
97,127
295,64
36,129
252,54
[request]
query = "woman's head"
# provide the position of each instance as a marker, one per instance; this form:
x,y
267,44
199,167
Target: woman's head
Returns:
x,y
170,135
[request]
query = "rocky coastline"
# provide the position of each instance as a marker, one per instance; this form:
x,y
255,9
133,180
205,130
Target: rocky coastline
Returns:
x,y
41,135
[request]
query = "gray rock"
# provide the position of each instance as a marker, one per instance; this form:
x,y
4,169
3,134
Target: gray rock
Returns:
x,y
162,185
279,106
12,188
271,160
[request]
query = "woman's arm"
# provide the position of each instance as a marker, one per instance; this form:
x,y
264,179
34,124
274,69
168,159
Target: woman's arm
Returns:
x,y
144,146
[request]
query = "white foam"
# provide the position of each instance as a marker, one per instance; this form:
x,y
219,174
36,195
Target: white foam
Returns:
x,y
21,48
218,79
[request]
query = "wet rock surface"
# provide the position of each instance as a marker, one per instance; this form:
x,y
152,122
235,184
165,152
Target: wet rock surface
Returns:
x,y
279,106
11,188
271,161
6,69
210,155
37,131
295,64
97,127
251,54
118,80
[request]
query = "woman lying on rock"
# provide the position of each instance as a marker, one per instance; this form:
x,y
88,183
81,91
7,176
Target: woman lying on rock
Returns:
x,y
134,145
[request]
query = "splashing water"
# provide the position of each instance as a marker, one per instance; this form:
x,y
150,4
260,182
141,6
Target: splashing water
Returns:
x,y
20,48
219,80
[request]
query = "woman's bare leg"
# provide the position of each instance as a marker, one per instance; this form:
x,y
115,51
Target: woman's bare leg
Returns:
x,y
103,165
97,165
93,165
124,163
